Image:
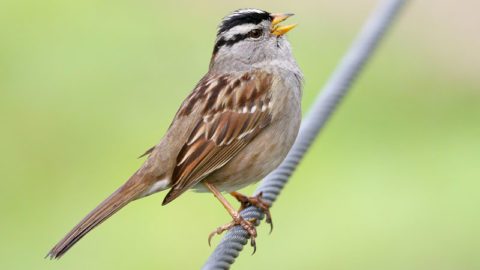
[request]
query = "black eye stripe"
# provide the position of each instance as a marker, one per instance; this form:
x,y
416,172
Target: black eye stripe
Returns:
x,y
236,38
222,42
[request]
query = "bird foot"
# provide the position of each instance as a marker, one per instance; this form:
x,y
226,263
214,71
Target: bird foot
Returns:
x,y
247,225
256,201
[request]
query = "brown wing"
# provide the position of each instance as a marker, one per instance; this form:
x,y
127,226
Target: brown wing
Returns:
x,y
235,110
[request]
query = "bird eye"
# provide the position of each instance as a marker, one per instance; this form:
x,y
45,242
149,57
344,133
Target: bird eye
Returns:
x,y
255,33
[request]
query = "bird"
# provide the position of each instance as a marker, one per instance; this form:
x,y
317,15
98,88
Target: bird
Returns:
x,y
235,127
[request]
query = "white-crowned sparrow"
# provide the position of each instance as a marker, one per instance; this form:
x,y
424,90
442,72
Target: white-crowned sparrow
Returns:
x,y
235,127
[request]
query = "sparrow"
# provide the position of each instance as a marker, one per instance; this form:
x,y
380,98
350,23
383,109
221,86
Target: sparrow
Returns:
x,y
235,127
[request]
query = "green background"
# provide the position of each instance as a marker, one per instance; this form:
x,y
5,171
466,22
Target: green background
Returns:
x,y
391,183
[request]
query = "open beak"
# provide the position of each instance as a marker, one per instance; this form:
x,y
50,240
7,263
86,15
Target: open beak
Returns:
x,y
279,30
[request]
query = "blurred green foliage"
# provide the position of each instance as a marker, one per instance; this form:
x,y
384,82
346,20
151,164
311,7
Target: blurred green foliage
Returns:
x,y
87,86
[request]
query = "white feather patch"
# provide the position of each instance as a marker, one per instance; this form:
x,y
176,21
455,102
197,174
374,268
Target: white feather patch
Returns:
x,y
239,30
158,186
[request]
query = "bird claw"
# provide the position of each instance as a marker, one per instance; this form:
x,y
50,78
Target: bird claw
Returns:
x,y
253,244
219,231
247,225
256,201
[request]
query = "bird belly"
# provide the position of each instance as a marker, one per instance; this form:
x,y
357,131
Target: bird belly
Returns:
x,y
257,160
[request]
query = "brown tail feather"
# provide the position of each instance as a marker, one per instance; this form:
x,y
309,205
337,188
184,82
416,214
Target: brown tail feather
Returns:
x,y
121,197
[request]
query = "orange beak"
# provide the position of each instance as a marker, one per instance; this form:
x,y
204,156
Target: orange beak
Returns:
x,y
279,30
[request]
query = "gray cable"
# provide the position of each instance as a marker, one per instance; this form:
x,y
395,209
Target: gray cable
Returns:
x,y
232,243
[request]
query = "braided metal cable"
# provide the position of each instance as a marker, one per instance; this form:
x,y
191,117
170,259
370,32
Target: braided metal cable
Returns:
x,y
232,243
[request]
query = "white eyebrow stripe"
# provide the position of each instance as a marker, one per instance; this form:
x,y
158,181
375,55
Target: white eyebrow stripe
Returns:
x,y
239,29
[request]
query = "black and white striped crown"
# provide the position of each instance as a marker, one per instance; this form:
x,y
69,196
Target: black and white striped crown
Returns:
x,y
243,16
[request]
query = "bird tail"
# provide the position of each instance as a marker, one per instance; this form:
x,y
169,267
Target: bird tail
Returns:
x,y
134,188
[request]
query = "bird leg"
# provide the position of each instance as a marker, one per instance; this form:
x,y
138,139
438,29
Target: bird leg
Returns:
x,y
256,201
247,225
